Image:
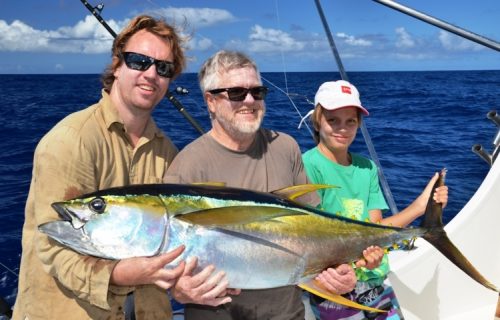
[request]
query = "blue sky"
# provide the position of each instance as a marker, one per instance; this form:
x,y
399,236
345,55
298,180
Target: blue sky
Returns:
x,y
281,35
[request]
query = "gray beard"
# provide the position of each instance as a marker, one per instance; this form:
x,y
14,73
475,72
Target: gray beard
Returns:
x,y
240,131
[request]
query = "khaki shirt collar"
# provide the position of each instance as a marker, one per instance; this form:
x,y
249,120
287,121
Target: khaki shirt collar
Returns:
x,y
112,118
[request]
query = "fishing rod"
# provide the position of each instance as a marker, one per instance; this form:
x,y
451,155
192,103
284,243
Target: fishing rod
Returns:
x,y
441,24
96,11
364,130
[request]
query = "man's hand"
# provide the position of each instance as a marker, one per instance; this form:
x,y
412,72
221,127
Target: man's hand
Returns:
x,y
373,256
204,287
340,280
148,270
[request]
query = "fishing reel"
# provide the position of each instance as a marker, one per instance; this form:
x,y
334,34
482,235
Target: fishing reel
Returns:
x,y
480,151
181,90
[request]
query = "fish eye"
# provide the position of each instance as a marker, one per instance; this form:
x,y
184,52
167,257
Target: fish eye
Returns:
x,y
97,205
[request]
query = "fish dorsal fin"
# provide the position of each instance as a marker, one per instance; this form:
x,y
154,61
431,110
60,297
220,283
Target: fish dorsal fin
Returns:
x,y
294,192
316,288
209,183
234,215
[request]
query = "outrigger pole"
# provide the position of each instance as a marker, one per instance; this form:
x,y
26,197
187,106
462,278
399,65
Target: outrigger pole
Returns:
x,y
492,115
364,130
96,11
441,24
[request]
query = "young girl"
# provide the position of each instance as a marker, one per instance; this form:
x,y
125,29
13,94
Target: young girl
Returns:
x,y
336,118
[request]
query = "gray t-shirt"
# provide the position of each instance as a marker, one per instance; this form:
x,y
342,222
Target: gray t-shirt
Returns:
x,y
272,162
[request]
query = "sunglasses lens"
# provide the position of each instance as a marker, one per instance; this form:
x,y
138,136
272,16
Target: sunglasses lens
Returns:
x,y
165,68
240,93
137,61
237,93
258,93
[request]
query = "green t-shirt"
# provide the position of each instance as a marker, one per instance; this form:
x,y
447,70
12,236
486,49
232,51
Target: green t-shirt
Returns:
x,y
359,193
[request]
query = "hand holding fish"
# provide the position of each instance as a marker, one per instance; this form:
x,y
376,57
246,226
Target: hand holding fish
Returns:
x,y
418,206
204,287
148,270
342,279
339,280
440,195
373,256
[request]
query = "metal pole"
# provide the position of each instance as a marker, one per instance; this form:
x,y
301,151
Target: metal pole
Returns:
x,y
364,130
442,24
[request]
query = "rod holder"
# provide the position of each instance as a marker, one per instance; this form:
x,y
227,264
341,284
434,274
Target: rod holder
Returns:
x,y
483,154
494,116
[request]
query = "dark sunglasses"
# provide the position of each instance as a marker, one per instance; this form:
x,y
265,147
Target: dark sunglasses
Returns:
x,y
240,93
137,61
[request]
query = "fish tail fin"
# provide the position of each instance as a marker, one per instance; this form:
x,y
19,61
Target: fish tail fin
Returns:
x,y
434,211
436,236
316,288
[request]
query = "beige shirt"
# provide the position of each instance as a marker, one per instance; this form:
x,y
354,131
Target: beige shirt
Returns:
x,y
273,161
87,151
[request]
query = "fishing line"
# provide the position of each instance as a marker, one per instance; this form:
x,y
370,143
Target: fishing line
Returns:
x,y
9,269
281,48
285,75
288,95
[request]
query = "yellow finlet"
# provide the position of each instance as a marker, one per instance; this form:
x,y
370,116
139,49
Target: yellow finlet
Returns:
x,y
294,192
316,288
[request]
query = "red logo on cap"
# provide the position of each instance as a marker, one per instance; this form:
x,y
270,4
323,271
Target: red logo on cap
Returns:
x,y
346,89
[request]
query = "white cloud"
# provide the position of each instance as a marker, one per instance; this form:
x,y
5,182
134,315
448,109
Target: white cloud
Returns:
x,y
196,17
412,56
201,44
87,36
404,39
452,42
353,41
270,40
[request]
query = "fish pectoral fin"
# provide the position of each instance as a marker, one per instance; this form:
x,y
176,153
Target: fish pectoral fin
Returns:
x,y
294,192
234,215
316,288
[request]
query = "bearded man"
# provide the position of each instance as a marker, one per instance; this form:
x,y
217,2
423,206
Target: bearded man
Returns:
x,y
239,153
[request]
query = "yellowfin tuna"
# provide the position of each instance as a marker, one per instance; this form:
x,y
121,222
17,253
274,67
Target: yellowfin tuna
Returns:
x,y
261,240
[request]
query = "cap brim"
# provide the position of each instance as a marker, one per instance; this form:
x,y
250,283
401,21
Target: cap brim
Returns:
x,y
362,109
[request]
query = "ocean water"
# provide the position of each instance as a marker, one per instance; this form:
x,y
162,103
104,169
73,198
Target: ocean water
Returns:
x,y
419,123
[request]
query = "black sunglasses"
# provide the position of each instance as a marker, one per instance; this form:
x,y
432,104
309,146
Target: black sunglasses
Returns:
x,y
240,93
137,61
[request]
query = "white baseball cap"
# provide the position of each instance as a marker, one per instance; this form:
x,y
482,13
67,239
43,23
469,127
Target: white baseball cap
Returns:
x,y
338,94
334,95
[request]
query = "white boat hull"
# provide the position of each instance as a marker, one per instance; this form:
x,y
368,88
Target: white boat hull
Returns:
x,y
430,287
